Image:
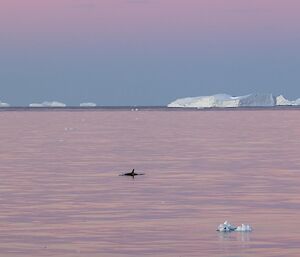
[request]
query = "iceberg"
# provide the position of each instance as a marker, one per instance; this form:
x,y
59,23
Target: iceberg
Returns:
x,y
54,104
4,104
225,100
88,105
36,105
48,104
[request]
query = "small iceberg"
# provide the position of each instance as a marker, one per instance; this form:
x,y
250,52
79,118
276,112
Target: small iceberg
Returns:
x,y
88,105
227,227
36,105
48,104
4,104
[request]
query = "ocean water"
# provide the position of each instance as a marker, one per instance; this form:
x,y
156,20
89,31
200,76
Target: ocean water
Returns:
x,y
61,193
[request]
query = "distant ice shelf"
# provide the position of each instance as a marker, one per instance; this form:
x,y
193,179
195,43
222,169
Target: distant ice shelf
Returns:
x,y
225,100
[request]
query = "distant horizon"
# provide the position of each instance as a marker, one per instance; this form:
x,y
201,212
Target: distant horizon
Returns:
x,y
91,105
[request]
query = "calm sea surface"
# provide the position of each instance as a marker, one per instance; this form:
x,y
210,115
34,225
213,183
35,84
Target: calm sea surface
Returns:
x,y
60,193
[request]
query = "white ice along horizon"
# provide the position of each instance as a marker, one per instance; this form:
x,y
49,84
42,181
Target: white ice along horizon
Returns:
x,y
227,227
4,104
48,104
88,105
225,100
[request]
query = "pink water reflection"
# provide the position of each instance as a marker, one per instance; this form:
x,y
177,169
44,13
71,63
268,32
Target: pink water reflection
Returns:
x,y
61,194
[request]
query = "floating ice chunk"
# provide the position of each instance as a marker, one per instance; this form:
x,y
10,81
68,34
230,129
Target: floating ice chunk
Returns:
x,y
226,227
244,228
88,105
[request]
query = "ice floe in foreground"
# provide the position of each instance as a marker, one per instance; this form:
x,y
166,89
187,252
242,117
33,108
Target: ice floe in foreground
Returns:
x,y
225,100
48,104
4,104
227,227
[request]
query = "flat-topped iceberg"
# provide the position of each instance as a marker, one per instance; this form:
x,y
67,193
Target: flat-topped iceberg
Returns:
x,y
224,100
48,104
4,104
36,105
88,105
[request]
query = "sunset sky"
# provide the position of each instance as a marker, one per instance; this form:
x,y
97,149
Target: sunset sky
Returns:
x,y
146,52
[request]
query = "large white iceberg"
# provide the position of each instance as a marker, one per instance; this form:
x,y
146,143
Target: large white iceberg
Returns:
x,y
88,105
224,100
4,104
48,104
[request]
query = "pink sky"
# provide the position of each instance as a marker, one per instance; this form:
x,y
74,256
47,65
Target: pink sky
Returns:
x,y
155,20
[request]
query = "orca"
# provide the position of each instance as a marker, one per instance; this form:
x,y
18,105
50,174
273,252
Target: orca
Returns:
x,y
132,174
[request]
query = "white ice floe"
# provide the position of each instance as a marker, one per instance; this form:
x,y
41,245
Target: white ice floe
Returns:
x,y
88,105
227,227
244,228
224,100
48,104
4,104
